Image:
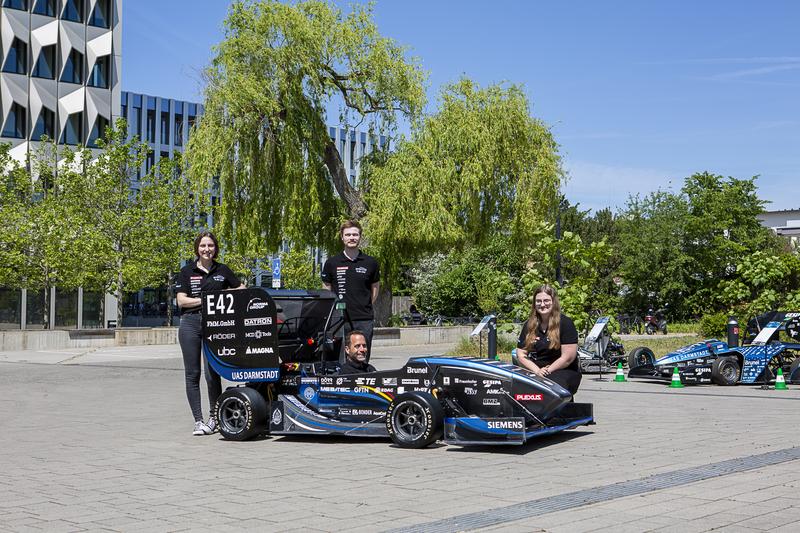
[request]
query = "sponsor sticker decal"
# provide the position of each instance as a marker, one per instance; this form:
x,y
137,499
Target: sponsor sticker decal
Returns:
x,y
409,381
391,382
277,417
257,334
261,321
224,351
221,336
418,370
528,397
256,304
491,401
506,424
263,349
309,393
220,323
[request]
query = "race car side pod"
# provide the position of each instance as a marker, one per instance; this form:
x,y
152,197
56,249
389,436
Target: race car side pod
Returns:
x,y
676,379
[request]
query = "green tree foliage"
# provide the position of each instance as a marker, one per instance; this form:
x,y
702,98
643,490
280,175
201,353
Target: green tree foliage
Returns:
x,y
582,264
297,269
122,234
264,134
479,167
763,282
654,266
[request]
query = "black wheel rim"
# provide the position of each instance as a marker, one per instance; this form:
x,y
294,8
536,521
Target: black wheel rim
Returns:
x,y
233,415
729,372
409,420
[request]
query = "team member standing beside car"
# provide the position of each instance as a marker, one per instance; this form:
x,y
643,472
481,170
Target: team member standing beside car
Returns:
x,y
548,343
355,349
354,277
202,274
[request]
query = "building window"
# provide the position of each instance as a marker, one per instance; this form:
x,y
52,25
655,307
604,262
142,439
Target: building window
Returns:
x,y
15,125
178,130
164,127
73,68
151,161
137,122
98,131
45,7
99,76
45,125
17,58
151,125
191,120
73,10
16,4
100,16
45,66
73,130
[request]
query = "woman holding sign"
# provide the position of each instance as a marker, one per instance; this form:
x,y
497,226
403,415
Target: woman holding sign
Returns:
x,y
202,274
548,343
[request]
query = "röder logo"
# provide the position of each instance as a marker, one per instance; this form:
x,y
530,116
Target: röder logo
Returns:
x,y
256,304
222,352
528,397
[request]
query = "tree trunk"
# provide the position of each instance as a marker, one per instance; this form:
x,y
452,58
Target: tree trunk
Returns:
x,y
352,197
170,295
119,294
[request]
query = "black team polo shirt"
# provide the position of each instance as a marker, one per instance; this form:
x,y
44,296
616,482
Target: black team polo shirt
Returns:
x,y
192,281
353,281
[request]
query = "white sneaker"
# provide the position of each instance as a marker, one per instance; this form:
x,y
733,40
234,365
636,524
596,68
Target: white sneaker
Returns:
x,y
211,425
200,428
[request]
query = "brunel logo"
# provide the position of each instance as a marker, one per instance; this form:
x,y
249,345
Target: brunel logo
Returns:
x,y
528,397
418,370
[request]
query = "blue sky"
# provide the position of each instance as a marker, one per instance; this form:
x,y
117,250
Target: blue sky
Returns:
x,y
639,94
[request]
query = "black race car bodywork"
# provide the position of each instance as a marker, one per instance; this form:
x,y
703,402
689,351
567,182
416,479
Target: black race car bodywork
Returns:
x,y
599,352
713,361
282,346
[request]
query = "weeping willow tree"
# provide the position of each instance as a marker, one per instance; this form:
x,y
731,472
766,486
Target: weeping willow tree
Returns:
x,y
479,167
278,70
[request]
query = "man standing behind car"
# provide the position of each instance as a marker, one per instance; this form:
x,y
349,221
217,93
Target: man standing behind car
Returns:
x,y
354,277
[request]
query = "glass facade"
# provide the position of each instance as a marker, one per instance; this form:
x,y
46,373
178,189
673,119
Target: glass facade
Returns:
x,y
100,15
99,76
15,125
73,68
73,130
16,60
35,309
92,311
16,4
45,7
45,125
66,309
10,308
73,10
45,66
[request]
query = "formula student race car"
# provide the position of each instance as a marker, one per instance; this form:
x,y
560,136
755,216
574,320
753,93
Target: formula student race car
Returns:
x,y
713,361
599,352
283,349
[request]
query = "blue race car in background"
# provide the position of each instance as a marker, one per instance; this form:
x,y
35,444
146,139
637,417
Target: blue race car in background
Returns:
x,y
713,361
282,349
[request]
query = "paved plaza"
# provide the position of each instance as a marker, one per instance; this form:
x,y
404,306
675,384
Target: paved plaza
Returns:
x,y
101,440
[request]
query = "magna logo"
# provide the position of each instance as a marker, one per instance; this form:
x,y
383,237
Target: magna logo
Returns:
x,y
528,397
226,351
265,349
256,304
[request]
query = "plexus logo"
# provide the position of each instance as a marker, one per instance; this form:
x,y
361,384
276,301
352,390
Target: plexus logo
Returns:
x,y
528,397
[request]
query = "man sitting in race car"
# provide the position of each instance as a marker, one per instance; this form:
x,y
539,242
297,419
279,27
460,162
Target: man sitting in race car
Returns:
x,y
357,355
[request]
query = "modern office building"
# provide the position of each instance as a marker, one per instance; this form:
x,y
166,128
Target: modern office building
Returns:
x,y
59,77
60,74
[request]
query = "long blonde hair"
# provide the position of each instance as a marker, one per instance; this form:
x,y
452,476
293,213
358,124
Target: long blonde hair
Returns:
x,y
553,324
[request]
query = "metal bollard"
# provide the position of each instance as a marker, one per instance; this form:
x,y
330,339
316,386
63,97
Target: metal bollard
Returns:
x,y
733,332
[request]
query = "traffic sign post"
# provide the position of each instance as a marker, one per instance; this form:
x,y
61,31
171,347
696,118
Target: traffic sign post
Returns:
x,y
276,273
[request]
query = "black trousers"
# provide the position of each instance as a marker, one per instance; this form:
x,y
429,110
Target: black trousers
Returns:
x,y
567,378
190,337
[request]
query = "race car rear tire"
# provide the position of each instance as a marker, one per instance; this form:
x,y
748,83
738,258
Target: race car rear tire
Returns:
x,y
641,356
241,413
794,373
725,371
415,420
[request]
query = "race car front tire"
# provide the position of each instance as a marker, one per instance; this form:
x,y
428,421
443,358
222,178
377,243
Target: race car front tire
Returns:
x,y
241,413
641,356
725,371
415,420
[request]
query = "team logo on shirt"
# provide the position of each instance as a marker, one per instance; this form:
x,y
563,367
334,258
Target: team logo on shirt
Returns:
x,y
218,278
361,270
